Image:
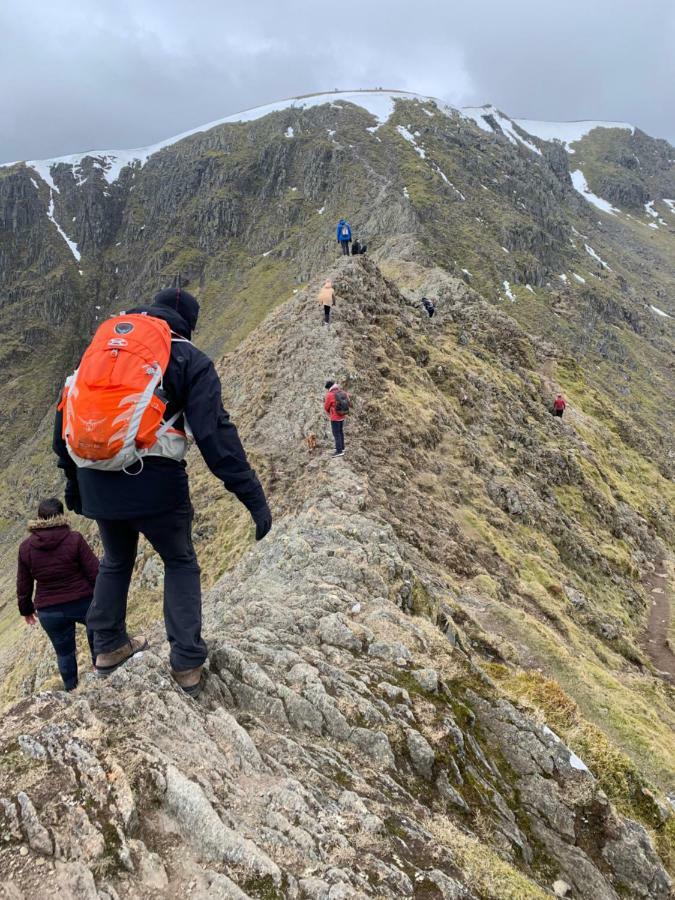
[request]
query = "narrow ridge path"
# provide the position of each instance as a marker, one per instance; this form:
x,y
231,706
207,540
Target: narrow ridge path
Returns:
x,y
655,641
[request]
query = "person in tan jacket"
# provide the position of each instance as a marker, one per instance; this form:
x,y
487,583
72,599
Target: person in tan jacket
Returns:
x,y
326,298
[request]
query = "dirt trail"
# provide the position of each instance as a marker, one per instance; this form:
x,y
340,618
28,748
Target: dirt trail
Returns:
x,y
655,640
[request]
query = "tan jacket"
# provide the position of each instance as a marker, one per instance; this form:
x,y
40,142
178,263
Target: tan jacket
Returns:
x,y
326,295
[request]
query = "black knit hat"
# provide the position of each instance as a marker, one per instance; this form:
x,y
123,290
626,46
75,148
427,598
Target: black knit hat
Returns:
x,y
184,303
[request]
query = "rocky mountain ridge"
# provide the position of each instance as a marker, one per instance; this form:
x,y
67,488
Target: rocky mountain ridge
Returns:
x,y
348,742
512,555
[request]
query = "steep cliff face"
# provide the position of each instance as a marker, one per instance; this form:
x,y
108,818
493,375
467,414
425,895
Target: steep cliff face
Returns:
x,y
350,741
383,665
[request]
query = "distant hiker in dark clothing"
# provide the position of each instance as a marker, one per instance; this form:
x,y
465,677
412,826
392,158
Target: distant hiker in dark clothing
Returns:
x,y
64,568
344,235
326,298
150,494
559,405
430,306
337,405
356,248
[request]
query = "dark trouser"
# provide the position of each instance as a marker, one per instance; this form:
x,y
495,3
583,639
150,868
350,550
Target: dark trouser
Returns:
x,y
59,622
171,536
339,435
345,247
558,412
326,314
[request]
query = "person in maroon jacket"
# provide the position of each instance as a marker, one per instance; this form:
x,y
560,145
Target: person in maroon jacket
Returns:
x,y
559,405
64,567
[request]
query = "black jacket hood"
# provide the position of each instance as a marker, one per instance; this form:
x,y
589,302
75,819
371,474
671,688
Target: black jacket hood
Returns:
x,y
174,319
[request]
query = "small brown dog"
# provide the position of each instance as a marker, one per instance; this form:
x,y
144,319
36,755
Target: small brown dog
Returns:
x,y
310,440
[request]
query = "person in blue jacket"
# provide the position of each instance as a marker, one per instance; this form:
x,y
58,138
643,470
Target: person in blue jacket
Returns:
x,y
344,235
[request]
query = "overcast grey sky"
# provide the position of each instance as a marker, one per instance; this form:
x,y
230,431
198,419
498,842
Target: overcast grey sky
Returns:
x,y
84,75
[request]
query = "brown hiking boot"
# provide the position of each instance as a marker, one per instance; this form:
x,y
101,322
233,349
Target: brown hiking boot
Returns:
x,y
190,680
106,663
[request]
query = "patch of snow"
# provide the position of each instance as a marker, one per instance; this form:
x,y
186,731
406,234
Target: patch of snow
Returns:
x,y
428,112
528,287
508,291
44,170
478,114
575,762
289,133
411,140
35,184
581,185
331,132
267,253
321,211
50,215
406,194
660,312
653,225
579,278
447,181
578,764
505,250
97,307
670,204
566,132
466,272
649,209
562,277
591,252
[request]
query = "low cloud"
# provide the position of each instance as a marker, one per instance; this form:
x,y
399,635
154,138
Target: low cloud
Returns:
x,y
128,74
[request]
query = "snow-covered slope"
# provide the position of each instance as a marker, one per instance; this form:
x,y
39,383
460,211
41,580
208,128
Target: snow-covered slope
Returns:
x,y
379,103
566,132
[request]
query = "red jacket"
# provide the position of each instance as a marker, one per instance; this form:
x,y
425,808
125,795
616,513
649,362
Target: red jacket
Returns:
x,y
60,561
559,403
329,404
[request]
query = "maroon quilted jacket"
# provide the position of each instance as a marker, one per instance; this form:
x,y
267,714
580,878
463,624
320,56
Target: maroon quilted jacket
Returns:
x,y
59,560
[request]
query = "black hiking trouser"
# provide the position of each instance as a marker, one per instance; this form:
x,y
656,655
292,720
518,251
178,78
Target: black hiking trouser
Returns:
x,y
171,536
326,314
338,430
345,247
558,413
59,622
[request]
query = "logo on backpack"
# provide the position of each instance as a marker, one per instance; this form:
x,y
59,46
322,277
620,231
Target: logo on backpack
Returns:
x,y
114,404
345,231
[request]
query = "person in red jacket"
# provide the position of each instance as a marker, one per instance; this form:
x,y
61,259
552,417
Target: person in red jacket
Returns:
x,y
64,567
337,405
559,405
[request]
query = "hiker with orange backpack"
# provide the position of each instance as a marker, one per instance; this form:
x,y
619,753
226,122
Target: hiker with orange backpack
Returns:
x,y
337,405
121,434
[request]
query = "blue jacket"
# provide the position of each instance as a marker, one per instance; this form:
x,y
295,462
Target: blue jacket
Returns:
x,y
343,237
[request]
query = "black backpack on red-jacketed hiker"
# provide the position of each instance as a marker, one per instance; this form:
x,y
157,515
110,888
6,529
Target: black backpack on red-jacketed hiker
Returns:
x,y
342,403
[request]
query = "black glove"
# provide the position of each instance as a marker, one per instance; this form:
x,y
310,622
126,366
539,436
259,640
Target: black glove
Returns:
x,y
72,496
263,521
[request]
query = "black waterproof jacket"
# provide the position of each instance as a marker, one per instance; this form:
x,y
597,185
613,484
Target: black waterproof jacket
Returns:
x,y
193,387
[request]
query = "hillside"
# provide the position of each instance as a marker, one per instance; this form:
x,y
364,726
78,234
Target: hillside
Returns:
x,y
355,737
472,576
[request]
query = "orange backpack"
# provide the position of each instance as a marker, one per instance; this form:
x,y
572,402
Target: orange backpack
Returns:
x,y
113,404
